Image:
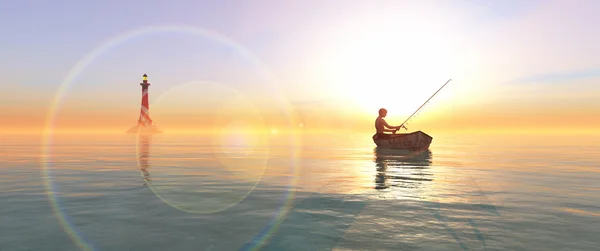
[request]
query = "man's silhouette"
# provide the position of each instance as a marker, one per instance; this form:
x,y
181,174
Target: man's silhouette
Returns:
x,y
381,125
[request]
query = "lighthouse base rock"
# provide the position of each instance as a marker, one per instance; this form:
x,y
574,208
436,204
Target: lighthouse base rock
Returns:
x,y
144,129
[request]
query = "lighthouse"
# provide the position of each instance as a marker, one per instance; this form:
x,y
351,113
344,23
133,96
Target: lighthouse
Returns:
x,y
144,123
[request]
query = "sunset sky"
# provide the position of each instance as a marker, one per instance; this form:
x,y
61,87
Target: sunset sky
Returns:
x,y
318,65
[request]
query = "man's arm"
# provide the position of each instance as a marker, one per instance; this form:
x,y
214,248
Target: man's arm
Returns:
x,y
393,128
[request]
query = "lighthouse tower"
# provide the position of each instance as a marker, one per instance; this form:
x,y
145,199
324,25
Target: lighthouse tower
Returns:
x,y
144,124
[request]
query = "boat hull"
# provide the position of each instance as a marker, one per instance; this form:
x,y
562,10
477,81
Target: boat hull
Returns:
x,y
414,141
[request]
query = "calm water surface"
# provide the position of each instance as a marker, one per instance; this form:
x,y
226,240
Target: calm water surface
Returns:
x,y
278,192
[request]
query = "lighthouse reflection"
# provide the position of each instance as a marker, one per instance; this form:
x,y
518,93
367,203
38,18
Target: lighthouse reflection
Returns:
x,y
402,169
144,142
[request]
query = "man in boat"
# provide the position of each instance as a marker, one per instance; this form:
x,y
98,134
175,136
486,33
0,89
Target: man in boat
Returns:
x,y
381,125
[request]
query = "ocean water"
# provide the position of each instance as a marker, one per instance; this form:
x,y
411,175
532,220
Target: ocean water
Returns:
x,y
298,192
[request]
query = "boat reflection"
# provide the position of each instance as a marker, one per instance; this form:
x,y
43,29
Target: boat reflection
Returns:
x,y
403,169
143,154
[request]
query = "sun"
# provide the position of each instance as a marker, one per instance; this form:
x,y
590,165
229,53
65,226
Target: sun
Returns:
x,y
394,70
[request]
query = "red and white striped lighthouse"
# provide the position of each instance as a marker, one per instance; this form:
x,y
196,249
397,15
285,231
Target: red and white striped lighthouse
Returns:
x,y
145,119
144,124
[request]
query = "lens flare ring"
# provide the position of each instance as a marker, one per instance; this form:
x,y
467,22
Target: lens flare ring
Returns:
x,y
47,134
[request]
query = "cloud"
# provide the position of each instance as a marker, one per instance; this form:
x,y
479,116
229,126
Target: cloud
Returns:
x,y
561,77
555,37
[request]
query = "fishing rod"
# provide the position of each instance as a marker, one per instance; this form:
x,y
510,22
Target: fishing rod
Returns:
x,y
424,104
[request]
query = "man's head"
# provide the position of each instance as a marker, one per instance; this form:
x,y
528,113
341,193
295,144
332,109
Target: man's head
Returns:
x,y
382,112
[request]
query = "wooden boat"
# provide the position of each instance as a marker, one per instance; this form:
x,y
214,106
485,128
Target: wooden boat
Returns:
x,y
414,141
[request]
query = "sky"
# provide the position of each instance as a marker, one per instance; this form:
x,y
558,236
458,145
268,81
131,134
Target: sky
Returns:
x,y
523,66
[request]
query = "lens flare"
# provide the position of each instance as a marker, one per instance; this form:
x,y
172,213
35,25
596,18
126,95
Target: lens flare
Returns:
x,y
238,146
47,138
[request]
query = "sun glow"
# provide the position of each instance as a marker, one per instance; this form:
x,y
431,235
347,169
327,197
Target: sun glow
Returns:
x,y
393,67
